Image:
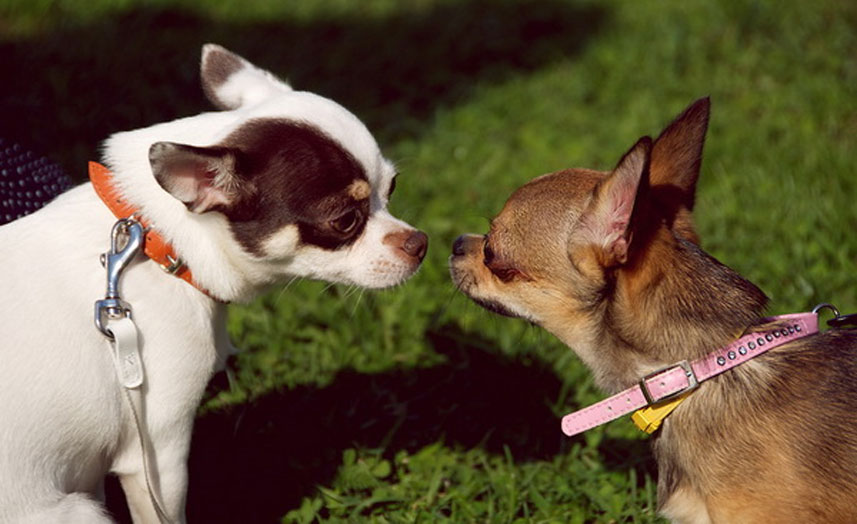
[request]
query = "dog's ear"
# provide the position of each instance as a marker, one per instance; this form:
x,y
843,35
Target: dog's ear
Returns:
x,y
230,82
676,159
608,220
204,178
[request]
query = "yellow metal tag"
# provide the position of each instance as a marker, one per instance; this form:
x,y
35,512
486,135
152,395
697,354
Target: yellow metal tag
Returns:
x,y
649,419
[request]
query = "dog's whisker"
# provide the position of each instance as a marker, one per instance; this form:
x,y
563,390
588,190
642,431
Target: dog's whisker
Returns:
x,y
285,288
453,295
350,291
360,293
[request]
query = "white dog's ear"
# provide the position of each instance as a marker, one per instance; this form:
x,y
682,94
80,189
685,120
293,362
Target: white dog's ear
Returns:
x,y
204,178
231,82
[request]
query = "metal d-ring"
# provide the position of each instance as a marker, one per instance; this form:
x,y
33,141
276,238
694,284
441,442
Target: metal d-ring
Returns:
x,y
839,320
825,305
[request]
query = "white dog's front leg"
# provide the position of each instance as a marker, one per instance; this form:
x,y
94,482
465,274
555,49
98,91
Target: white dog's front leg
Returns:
x,y
173,481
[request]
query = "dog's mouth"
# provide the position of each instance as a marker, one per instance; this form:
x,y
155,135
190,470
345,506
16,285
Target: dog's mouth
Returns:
x,y
465,282
495,307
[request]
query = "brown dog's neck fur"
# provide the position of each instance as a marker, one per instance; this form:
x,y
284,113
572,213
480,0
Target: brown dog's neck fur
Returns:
x,y
671,302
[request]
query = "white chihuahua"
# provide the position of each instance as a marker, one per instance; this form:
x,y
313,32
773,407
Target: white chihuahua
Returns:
x,y
278,184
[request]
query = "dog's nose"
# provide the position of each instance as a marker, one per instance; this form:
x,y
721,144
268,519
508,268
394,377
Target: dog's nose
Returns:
x,y
416,245
458,246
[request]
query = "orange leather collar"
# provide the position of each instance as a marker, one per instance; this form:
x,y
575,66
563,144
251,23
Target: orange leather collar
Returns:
x,y
155,246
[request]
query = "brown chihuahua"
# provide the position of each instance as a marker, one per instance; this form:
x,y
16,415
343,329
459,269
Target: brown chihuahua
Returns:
x,y
609,262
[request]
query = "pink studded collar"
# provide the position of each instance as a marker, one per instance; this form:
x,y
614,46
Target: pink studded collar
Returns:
x,y
672,381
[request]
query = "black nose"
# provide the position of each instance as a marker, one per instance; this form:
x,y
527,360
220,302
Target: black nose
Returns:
x,y
416,245
458,246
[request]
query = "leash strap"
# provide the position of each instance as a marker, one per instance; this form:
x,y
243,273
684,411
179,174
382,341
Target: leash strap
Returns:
x,y
672,381
129,369
113,318
126,352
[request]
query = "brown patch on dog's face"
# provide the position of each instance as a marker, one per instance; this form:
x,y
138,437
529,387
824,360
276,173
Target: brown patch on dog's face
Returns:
x,y
300,177
269,175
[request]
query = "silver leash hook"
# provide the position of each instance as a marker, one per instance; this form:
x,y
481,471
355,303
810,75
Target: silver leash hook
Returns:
x,y
839,321
115,261
825,305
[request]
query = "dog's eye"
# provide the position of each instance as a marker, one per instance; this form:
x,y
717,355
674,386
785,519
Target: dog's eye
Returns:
x,y
487,254
392,187
346,223
505,274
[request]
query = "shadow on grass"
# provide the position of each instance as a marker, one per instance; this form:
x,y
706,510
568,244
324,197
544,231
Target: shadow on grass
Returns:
x,y
76,84
263,457
254,462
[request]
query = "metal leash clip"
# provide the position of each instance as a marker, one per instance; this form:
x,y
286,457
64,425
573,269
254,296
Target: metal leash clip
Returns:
x,y
112,306
126,240
839,320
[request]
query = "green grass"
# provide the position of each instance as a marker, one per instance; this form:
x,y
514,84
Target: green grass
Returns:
x,y
412,404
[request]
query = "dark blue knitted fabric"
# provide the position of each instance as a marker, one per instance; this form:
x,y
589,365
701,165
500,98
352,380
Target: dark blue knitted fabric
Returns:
x,y
27,181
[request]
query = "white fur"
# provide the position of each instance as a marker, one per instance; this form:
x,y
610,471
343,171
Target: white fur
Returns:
x,y
686,507
366,263
248,86
63,421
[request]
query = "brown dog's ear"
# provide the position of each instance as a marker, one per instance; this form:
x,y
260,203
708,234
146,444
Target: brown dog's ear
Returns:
x,y
607,221
204,178
676,159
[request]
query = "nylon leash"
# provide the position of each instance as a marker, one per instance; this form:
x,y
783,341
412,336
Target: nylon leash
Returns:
x,y
113,319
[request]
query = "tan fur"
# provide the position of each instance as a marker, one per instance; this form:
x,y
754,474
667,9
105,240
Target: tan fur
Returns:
x,y
359,189
629,290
